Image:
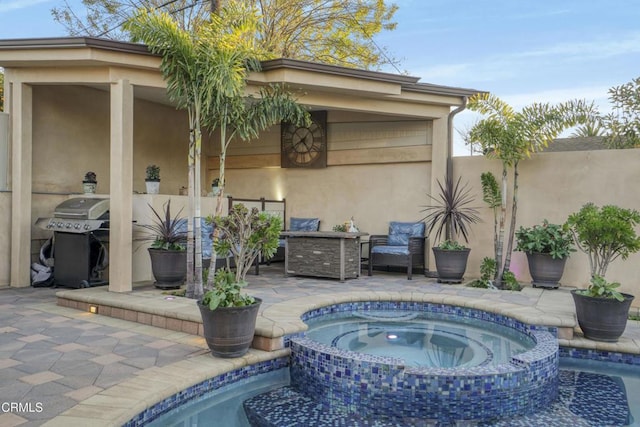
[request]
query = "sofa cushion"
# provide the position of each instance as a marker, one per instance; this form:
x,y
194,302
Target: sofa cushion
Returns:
x,y
399,232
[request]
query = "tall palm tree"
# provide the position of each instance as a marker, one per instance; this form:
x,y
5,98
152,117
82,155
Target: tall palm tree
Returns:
x,y
206,72
511,137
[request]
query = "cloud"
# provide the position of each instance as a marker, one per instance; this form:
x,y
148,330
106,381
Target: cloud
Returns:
x,y
20,4
521,64
594,49
598,94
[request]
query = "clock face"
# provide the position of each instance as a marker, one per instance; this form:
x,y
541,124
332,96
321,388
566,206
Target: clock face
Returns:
x,y
304,146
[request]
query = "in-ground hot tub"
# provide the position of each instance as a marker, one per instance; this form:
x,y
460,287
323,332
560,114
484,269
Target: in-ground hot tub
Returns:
x,y
412,360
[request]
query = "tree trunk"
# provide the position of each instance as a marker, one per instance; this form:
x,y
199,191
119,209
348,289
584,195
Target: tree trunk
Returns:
x,y
190,292
512,226
500,241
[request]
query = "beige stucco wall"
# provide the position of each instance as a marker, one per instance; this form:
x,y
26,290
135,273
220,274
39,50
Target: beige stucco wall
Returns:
x,y
372,194
71,137
5,240
552,186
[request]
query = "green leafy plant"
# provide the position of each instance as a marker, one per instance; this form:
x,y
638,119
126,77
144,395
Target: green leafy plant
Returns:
x,y
246,234
90,177
553,239
451,245
340,227
153,173
510,282
451,214
215,182
167,232
600,288
226,292
487,271
605,234
622,126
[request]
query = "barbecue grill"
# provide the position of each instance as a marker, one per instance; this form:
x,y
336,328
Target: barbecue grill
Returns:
x,y
80,234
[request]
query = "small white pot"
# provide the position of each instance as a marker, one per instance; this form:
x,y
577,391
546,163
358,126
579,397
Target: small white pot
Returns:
x,y
153,187
89,187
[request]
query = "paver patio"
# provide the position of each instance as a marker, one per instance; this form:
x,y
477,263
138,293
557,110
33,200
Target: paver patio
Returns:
x,y
70,367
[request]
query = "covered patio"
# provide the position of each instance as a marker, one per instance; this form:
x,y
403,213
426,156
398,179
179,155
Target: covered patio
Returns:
x,y
78,104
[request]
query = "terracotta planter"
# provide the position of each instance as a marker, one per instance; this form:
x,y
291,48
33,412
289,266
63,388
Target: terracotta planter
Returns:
x,y
229,330
545,271
602,319
451,265
169,268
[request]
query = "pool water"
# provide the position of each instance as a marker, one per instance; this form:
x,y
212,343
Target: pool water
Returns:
x,y
421,339
593,394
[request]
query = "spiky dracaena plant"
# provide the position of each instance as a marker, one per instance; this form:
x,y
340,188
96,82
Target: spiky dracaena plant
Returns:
x,y
451,213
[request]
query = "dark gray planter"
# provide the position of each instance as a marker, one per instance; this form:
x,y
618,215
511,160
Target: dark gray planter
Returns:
x,y
169,268
545,271
451,265
602,319
229,330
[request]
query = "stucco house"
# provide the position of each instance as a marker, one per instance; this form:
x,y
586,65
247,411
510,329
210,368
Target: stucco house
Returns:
x,y
85,104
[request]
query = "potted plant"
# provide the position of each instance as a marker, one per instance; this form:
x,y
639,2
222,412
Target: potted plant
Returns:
x,y
168,251
451,215
547,247
228,315
89,183
604,234
152,179
215,187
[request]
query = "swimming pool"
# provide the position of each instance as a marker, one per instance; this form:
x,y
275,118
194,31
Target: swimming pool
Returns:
x,y
583,383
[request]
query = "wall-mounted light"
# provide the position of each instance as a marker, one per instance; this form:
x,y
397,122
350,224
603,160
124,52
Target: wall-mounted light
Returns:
x,y
93,309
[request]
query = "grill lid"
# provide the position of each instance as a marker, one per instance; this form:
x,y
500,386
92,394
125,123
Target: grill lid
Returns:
x,y
82,208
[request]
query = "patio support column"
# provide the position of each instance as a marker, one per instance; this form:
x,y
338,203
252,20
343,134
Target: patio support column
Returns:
x,y
439,153
121,184
21,111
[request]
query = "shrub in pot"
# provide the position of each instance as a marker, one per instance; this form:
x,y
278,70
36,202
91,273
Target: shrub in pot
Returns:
x,y
152,179
604,234
451,215
547,247
167,251
89,183
229,315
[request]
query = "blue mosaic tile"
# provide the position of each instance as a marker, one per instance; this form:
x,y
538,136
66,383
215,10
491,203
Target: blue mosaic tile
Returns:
x,y
383,386
390,390
197,391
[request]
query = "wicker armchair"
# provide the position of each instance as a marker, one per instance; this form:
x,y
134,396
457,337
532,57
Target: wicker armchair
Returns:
x,y
404,246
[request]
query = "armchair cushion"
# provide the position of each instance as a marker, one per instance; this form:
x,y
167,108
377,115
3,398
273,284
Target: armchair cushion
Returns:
x,y
399,232
304,224
390,250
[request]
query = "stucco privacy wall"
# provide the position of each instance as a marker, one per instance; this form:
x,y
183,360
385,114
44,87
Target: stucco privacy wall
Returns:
x,y
552,186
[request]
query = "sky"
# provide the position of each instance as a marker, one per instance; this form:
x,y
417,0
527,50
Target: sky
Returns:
x,y
522,51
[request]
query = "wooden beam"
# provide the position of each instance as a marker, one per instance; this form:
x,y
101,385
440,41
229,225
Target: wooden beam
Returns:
x,y
421,153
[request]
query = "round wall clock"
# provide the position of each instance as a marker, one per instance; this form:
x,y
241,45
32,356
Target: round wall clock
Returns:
x,y
305,146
